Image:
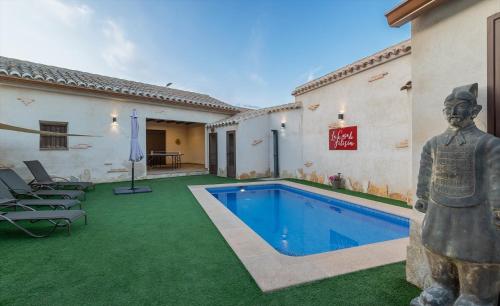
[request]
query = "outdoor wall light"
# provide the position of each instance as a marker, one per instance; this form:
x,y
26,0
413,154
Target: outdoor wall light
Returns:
x,y
341,116
114,120
283,124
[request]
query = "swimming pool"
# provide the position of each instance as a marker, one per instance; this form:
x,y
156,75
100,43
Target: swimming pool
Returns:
x,y
296,222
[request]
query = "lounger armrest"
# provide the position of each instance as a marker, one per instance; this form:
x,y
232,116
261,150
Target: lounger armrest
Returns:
x,y
31,195
8,204
20,191
7,201
23,206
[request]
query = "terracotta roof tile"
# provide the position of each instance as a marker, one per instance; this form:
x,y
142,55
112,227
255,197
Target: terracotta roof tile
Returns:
x,y
252,113
388,54
14,68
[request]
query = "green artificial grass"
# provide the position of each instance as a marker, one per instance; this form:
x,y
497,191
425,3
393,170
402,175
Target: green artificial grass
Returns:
x,y
161,248
353,193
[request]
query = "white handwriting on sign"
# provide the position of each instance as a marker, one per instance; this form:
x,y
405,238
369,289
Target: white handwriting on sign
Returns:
x,y
340,139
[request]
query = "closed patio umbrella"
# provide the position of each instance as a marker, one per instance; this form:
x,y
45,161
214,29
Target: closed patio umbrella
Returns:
x,y
136,155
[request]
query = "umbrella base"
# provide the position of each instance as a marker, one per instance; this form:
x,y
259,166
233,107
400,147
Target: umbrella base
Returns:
x,y
128,190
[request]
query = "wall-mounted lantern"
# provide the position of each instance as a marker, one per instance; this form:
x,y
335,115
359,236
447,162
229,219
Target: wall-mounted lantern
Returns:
x,y
341,116
114,121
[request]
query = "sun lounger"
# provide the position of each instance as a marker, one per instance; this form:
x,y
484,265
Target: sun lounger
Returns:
x,y
8,200
42,178
58,218
17,185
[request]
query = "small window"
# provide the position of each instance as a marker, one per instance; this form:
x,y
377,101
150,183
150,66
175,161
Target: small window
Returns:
x,y
54,142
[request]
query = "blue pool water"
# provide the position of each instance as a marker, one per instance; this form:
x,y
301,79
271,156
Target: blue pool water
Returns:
x,y
297,222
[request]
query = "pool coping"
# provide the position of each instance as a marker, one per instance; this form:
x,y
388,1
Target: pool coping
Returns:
x,y
272,270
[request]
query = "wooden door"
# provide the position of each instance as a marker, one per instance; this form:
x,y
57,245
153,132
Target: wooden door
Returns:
x,y
155,141
212,153
231,154
493,71
276,154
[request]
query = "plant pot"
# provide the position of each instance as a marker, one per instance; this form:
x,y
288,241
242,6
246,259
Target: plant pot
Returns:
x,y
337,184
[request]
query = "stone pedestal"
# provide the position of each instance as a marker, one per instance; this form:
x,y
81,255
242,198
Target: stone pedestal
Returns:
x,y
417,268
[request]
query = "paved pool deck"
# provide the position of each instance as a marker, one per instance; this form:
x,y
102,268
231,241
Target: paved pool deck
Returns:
x,y
272,270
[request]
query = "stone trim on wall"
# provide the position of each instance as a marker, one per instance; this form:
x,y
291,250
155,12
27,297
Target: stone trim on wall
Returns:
x,y
384,191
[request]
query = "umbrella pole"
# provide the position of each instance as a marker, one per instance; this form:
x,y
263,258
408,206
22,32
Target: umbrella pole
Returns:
x,y
133,166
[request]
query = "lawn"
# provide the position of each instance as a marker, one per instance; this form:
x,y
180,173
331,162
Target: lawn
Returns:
x,y
161,249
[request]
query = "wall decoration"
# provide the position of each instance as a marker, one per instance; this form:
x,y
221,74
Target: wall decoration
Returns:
x,y
334,125
256,142
118,170
81,146
313,107
378,76
26,101
178,141
402,144
6,165
345,138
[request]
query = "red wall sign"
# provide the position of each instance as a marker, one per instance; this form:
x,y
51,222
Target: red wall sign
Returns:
x,y
343,138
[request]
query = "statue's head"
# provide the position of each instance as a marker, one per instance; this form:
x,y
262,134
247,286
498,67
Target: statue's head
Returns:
x,y
460,107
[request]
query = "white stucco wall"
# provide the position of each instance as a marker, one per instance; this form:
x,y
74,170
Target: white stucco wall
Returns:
x,y
449,45
289,141
381,165
105,158
252,147
380,110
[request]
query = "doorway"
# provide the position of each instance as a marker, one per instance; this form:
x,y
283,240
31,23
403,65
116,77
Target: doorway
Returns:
x,y
155,141
493,72
276,156
212,153
231,153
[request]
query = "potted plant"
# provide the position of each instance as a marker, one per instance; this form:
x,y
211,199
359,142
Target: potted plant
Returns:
x,y
336,181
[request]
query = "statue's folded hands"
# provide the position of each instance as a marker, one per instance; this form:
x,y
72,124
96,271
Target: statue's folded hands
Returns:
x,y
496,217
421,205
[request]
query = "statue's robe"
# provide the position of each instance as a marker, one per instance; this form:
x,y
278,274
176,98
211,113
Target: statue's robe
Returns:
x,y
460,179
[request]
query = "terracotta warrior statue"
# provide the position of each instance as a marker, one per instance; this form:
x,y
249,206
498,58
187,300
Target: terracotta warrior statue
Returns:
x,y
459,192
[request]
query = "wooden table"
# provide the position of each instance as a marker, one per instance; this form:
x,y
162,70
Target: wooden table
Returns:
x,y
155,159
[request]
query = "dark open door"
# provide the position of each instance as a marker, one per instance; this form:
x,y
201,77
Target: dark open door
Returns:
x,y
231,153
212,153
493,71
155,141
276,155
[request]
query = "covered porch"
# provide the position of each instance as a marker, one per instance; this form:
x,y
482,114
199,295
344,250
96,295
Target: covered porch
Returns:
x,y
174,148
